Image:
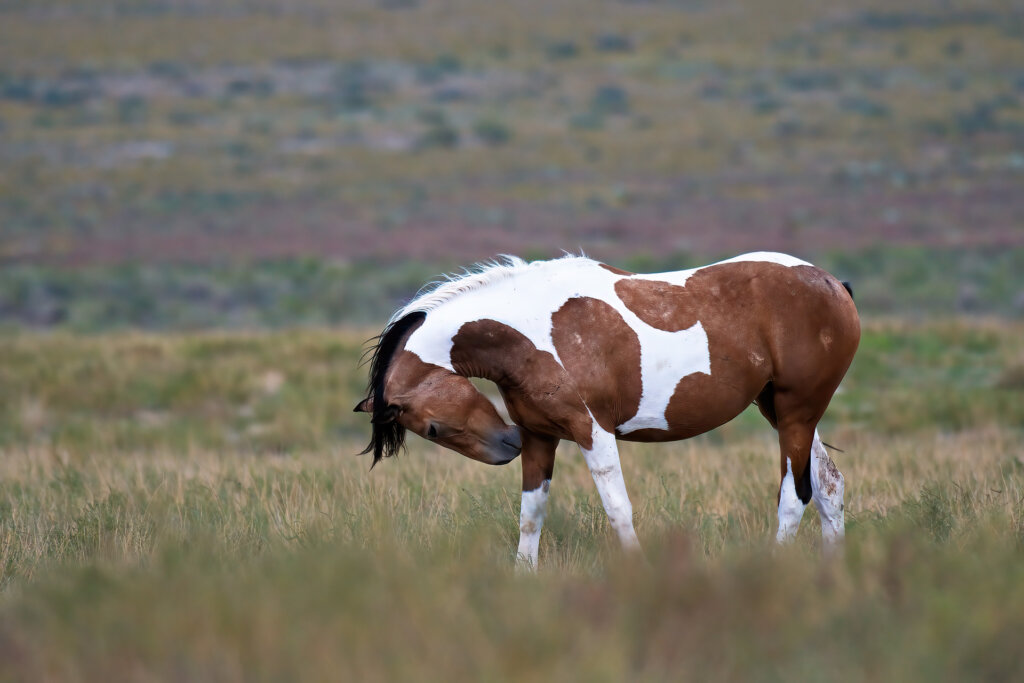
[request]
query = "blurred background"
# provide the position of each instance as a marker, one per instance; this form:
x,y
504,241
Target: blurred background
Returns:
x,y
247,165
182,164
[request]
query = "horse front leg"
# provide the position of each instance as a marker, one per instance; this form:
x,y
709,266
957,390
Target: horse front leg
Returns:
x,y
603,460
538,460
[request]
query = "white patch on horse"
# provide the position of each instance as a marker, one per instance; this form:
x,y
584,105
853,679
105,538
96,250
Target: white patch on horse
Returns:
x,y
791,508
665,359
680,277
532,510
766,257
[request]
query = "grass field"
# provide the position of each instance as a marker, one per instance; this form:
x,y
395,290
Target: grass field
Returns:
x,y
188,507
207,205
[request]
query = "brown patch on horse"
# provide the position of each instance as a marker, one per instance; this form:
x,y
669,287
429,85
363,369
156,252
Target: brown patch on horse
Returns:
x,y
602,354
613,269
661,305
539,394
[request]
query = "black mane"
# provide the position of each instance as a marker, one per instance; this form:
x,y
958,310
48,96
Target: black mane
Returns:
x,y
388,436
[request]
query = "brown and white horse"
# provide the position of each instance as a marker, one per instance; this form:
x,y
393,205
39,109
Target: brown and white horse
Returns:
x,y
586,352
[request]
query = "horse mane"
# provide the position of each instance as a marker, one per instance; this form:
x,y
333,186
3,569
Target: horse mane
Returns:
x,y
388,435
451,285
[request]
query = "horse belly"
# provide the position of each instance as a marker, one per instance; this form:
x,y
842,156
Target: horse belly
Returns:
x,y
700,403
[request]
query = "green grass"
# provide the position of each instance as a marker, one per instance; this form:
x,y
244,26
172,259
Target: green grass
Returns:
x,y
191,506
289,390
917,282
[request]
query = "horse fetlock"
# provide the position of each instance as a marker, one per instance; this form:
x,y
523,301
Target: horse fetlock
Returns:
x,y
628,538
834,528
789,524
620,518
526,562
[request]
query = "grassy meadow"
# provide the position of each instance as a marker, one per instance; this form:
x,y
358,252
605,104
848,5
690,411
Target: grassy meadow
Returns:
x,y
207,205
190,507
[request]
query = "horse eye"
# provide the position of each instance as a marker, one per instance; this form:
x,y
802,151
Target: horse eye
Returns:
x,y
432,432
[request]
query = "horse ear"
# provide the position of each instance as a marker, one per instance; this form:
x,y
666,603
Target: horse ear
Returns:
x,y
387,417
365,406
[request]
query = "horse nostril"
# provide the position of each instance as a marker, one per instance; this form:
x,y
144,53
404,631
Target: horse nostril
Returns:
x,y
514,439
432,432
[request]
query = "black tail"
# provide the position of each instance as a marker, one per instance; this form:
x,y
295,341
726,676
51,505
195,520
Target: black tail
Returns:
x,y
849,288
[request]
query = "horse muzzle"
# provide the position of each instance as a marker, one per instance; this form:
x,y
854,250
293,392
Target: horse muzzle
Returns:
x,y
506,445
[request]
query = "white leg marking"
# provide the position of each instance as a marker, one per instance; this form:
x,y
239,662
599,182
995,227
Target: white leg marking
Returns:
x,y
827,488
791,508
603,460
531,520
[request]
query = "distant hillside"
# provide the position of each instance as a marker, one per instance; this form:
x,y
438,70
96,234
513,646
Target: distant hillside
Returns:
x,y
444,132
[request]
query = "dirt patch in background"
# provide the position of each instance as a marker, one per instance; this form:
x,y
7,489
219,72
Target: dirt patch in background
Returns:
x,y
726,216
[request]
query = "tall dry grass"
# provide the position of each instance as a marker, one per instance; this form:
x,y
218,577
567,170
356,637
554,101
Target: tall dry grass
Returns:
x,y
189,507
231,566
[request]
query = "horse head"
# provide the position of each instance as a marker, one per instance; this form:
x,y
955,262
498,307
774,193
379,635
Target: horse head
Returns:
x,y
406,394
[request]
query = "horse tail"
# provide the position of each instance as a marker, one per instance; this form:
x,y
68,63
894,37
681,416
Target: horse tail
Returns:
x,y
849,288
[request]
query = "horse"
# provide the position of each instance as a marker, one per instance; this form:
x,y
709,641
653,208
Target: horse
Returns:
x,y
586,352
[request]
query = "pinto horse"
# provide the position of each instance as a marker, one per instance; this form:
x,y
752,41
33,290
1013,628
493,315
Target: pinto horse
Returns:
x,y
590,353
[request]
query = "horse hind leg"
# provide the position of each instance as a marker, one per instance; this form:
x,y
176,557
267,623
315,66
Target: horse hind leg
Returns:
x,y
828,487
794,447
807,470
